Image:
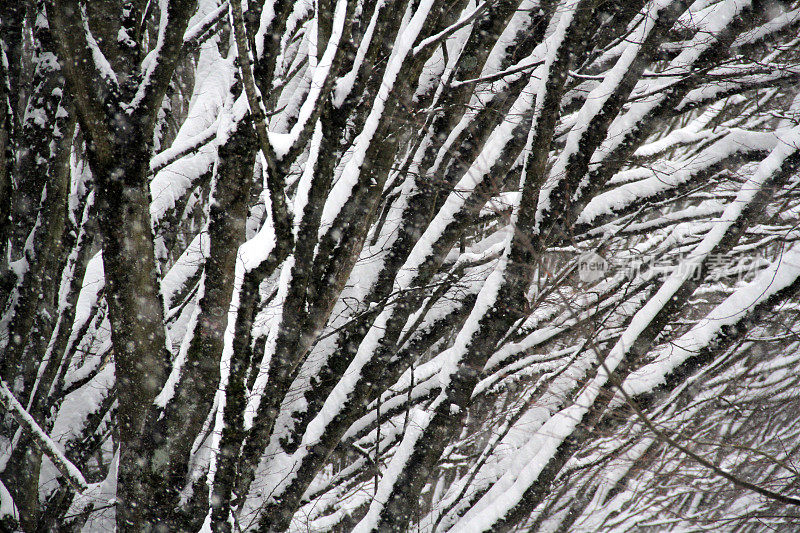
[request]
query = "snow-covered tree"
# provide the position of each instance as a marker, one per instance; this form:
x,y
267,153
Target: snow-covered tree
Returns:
x,y
390,265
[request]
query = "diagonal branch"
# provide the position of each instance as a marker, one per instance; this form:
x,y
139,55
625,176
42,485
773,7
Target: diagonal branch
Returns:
x,y
43,442
739,482
90,87
159,64
275,179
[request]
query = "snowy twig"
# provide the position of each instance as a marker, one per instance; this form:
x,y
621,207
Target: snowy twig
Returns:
x,y
499,75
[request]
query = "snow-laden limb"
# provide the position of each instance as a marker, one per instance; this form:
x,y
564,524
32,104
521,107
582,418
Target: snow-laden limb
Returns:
x,y
788,20
225,374
693,132
783,273
463,21
168,391
343,189
71,473
100,62
655,96
158,65
175,281
177,151
255,251
199,25
193,151
507,493
417,424
606,99
668,175
319,86
345,83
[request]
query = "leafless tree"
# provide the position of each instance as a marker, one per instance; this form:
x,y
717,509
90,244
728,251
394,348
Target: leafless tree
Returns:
x,y
318,265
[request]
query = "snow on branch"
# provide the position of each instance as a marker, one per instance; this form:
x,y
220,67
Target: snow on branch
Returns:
x,y
784,272
47,446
